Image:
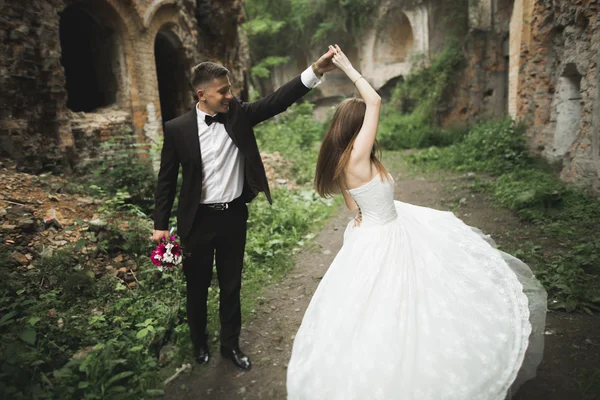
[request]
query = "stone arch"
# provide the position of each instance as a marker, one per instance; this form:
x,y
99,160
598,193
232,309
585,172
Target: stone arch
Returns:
x,y
179,36
394,40
129,12
153,8
165,15
389,46
173,87
93,56
387,89
568,109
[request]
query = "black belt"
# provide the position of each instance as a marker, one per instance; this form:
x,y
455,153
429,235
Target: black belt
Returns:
x,y
222,206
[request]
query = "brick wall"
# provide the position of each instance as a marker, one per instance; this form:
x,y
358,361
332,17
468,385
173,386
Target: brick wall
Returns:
x,y
36,126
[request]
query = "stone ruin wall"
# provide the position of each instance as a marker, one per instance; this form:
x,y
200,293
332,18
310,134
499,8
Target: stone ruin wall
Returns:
x,y
535,60
481,87
555,84
42,127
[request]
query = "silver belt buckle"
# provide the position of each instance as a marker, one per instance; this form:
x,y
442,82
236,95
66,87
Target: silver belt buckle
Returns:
x,y
220,206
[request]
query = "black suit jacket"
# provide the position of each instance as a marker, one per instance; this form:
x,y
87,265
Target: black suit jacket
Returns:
x,y
181,147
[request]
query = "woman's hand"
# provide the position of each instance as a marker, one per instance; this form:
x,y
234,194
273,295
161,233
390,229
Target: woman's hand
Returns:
x,y
340,60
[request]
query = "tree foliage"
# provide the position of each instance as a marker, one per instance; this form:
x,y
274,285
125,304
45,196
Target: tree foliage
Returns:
x,y
278,29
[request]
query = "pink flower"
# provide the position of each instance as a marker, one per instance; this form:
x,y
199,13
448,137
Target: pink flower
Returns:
x,y
167,254
156,261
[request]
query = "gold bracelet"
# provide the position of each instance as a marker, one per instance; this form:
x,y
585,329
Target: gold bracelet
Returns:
x,y
357,79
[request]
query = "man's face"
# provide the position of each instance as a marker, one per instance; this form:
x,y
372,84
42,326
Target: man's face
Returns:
x,y
216,96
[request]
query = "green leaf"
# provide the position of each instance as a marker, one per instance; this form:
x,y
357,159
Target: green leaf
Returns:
x,y
6,318
117,389
262,26
33,320
80,244
28,335
142,333
62,373
46,380
118,377
263,68
565,288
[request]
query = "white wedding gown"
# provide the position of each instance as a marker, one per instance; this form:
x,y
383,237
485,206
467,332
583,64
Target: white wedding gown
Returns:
x,y
417,306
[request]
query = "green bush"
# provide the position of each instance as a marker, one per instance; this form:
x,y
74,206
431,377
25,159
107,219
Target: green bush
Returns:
x,y
529,191
70,330
409,120
294,135
569,271
78,336
494,147
404,131
273,28
125,171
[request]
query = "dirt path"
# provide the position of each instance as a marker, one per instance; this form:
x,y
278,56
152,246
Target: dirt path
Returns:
x,y
572,342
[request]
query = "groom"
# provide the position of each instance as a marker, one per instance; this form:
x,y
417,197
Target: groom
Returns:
x,y
222,171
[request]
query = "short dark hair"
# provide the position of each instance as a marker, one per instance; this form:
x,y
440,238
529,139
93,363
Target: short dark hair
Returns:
x,y
206,72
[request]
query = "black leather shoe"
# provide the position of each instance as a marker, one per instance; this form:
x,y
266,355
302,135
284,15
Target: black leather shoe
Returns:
x,y
202,355
239,359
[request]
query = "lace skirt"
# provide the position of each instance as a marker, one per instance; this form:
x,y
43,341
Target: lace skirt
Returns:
x,y
420,308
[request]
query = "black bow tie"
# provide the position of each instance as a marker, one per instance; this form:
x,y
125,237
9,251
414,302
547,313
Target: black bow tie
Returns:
x,y
217,118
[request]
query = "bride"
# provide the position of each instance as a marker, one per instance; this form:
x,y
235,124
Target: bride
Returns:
x,y
416,305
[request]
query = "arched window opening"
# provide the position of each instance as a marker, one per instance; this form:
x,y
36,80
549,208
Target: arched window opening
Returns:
x,y
88,51
170,70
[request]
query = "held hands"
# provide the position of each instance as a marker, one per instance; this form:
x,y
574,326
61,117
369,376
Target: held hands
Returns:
x,y
334,58
339,59
324,63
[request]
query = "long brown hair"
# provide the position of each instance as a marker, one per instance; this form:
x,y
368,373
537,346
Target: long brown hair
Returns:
x,y
337,146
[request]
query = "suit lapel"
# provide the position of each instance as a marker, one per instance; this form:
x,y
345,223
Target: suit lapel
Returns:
x,y
190,130
229,128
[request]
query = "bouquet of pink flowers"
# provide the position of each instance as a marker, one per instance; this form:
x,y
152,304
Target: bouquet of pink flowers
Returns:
x,y
167,255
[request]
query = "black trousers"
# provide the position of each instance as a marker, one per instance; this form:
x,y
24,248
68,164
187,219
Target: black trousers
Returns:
x,y
221,236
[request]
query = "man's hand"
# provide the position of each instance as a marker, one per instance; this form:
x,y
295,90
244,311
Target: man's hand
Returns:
x,y
157,235
324,64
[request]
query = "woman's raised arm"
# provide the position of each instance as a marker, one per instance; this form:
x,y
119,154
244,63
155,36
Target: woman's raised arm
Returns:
x,y
365,140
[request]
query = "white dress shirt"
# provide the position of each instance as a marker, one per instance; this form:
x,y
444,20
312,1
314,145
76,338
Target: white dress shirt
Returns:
x,y
222,161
